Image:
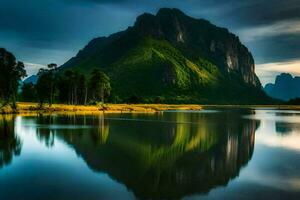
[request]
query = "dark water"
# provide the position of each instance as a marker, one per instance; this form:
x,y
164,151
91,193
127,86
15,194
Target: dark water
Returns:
x,y
223,154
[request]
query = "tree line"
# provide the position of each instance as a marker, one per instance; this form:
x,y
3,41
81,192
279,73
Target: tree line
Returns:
x,y
70,87
53,85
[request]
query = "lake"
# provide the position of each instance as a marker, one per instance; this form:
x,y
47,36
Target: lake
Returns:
x,y
209,154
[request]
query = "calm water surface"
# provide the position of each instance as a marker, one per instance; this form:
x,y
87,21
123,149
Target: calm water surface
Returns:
x,y
212,154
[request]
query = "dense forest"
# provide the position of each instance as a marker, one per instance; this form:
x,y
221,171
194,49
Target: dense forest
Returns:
x,y
68,87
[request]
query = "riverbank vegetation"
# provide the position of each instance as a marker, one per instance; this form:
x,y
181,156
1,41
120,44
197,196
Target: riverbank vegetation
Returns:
x,y
25,107
33,108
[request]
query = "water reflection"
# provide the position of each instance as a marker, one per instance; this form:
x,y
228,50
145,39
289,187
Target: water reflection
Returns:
x,y
283,128
156,156
10,144
167,155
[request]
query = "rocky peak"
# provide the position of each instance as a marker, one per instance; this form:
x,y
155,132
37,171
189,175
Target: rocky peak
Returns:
x,y
166,24
283,78
286,87
170,12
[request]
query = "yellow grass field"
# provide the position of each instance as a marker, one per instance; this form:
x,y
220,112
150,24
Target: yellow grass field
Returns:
x,y
23,108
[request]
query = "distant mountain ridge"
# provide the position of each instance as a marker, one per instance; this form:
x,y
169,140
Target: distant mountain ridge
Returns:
x,y
31,79
286,87
174,58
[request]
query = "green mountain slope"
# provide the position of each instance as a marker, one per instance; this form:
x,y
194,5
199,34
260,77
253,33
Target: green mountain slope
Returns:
x,y
173,58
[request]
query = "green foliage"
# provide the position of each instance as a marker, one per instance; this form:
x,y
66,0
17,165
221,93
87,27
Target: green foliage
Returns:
x,y
174,57
72,88
69,87
155,68
44,86
99,86
295,101
148,71
70,81
28,92
11,73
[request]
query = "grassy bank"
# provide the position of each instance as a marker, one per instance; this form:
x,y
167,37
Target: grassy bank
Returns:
x,y
24,108
109,108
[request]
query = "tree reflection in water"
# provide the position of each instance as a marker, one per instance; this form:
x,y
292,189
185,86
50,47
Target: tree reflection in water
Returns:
x,y
10,144
45,134
168,155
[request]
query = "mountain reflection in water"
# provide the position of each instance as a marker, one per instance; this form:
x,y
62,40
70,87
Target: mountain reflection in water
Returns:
x,y
168,155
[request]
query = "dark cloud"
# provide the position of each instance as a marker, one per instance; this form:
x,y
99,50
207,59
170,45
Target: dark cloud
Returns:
x,y
242,12
53,30
279,48
55,26
264,12
96,1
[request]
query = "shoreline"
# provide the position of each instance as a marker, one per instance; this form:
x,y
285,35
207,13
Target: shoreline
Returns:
x,y
24,108
29,108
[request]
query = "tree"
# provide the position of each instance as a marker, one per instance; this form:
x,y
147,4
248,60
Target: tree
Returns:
x,y
72,78
53,73
99,85
52,66
47,84
63,89
43,86
28,92
11,73
72,88
82,89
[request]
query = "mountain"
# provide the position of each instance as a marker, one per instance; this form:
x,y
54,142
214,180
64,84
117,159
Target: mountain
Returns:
x,y
31,79
171,57
286,87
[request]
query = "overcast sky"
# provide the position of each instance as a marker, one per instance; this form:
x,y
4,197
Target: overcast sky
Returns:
x,y
44,31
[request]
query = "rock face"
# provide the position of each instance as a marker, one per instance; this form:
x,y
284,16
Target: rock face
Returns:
x,y
201,38
173,56
286,87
